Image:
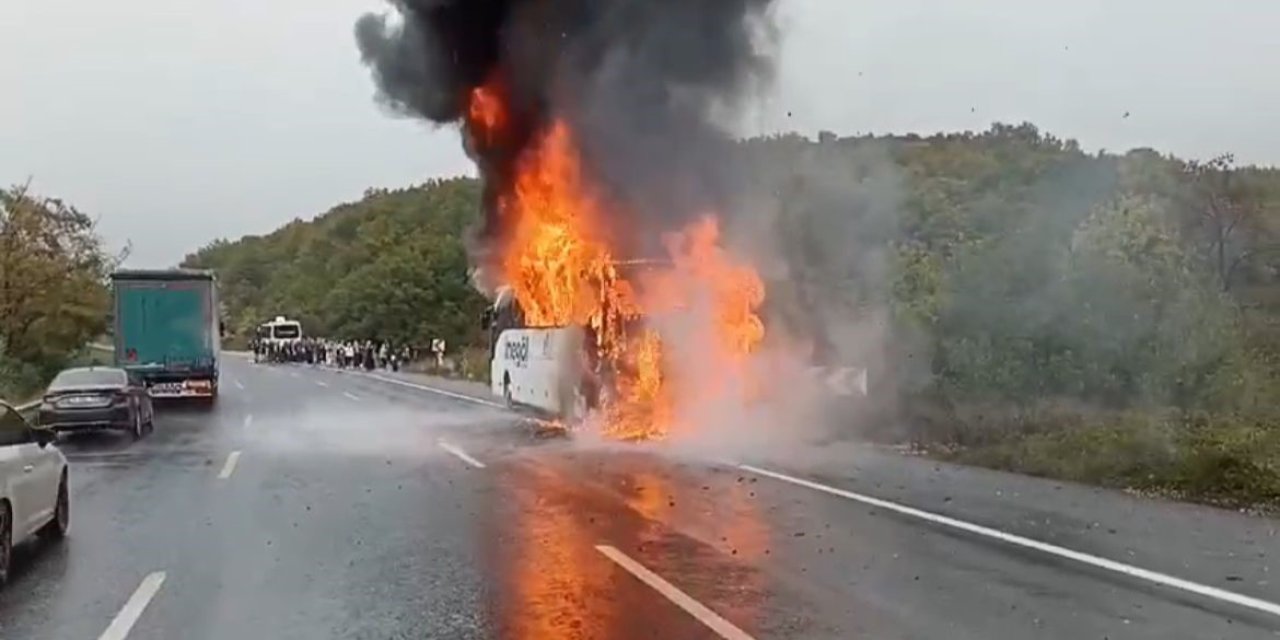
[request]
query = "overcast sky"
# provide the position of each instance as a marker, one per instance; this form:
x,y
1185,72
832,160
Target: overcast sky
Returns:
x,y
180,121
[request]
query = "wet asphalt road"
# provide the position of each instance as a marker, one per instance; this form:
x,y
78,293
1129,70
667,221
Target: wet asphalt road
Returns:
x,y
341,515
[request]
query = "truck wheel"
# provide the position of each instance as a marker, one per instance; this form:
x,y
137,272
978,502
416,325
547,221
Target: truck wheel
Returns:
x,y
150,424
138,429
209,401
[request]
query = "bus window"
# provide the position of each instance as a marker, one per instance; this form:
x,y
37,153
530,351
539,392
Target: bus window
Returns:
x,y
287,331
504,314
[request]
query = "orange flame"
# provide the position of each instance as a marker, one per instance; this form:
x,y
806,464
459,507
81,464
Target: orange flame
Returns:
x,y
717,297
554,246
485,113
563,271
735,290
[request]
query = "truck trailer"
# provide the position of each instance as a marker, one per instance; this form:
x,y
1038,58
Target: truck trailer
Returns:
x,y
168,330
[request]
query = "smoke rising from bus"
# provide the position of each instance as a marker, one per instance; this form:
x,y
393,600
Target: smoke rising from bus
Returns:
x,y
593,125
638,82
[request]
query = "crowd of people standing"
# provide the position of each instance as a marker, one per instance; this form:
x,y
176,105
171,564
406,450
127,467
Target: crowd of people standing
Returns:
x,y
349,354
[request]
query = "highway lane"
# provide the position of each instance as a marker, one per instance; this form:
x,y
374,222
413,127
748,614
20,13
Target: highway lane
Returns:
x,y
317,504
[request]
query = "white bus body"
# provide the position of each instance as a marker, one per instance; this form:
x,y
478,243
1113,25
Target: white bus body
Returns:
x,y
542,369
280,331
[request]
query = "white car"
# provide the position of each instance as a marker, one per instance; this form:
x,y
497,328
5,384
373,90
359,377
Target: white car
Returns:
x,y
33,485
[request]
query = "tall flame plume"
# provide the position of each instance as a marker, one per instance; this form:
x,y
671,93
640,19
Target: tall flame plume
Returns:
x,y
562,264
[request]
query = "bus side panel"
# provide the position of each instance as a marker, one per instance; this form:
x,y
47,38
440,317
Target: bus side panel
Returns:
x,y
537,364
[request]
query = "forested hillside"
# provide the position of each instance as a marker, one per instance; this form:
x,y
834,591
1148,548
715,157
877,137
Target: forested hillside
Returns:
x,y
997,283
1018,267
1110,318
392,266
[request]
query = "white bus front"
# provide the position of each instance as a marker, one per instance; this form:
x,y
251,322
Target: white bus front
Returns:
x,y
542,368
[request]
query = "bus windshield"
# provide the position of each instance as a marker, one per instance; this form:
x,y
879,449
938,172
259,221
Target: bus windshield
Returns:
x,y
287,331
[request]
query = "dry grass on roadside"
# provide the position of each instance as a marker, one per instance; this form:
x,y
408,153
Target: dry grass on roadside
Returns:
x,y
472,363
1229,460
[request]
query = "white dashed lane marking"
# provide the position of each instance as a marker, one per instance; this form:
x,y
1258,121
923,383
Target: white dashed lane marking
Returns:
x,y
230,466
450,394
460,454
137,603
711,619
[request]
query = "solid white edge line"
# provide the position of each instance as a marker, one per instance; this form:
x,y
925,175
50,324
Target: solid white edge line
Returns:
x,y
450,394
711,619
1062,552
460,454
133,608
230,466
351,396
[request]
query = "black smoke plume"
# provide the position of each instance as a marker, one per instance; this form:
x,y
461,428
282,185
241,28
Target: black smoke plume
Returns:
x,y
642,84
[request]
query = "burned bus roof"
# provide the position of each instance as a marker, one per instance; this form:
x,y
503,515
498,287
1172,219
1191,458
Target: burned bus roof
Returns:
x,y
505,295
644,262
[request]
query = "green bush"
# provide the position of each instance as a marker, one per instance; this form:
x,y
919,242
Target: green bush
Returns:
x,y
19,381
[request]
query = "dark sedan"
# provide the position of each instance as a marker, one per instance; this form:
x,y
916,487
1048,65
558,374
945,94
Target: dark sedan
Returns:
x,y
96,398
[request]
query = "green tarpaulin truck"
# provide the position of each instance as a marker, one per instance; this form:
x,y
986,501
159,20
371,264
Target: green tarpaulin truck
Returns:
x,y
167,330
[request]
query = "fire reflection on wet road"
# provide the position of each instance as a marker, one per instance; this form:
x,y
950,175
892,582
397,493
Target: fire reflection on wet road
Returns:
x,y
554,510
552,586
726,528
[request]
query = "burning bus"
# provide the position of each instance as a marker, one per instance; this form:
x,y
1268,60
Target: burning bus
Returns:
x,y
579,329
562,371
598,140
